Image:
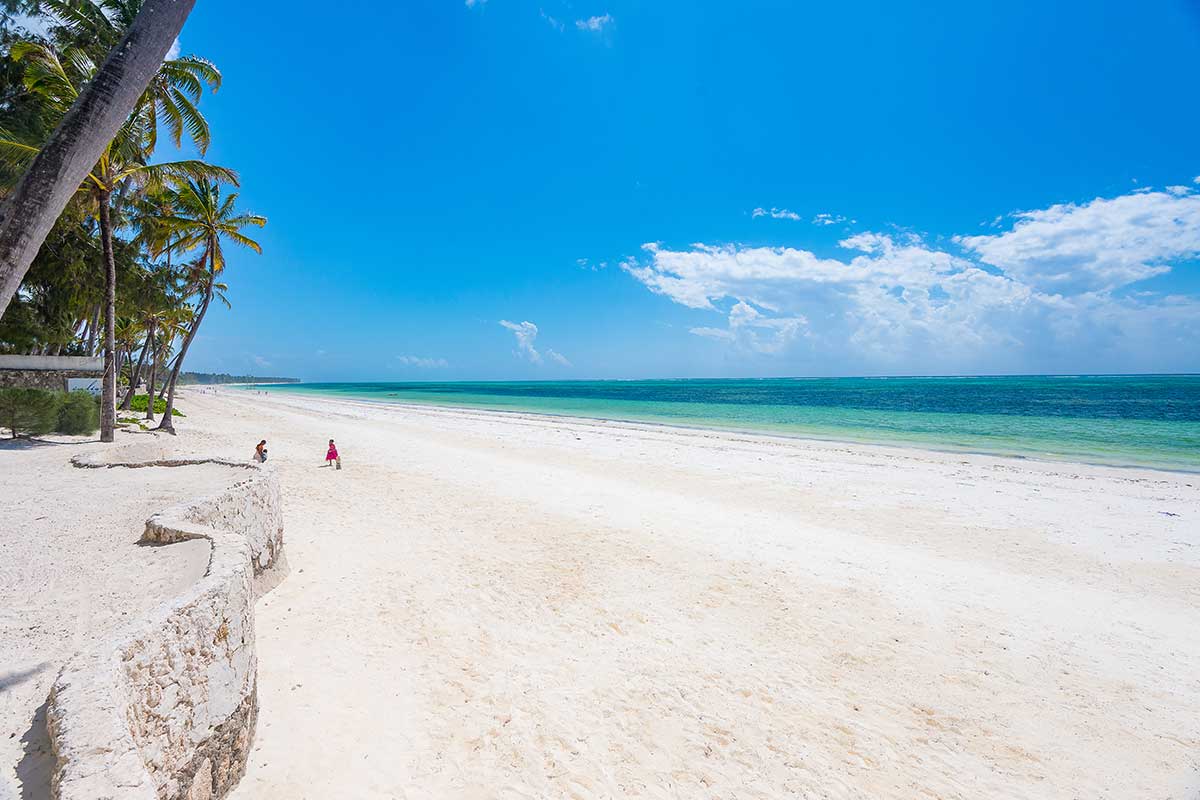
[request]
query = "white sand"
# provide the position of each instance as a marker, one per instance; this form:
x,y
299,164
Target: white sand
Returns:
x,y
70,572
502,606
490,605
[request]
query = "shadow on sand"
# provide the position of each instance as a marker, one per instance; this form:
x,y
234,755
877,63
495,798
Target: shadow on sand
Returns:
x,y
24,443
35,766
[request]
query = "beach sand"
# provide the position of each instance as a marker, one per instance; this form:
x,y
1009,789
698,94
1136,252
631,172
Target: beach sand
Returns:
x,y
71,571
487,605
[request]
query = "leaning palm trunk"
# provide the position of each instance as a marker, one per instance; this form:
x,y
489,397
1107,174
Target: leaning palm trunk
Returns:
x,y
136,376
167,424
166,365
92,325
108,388
151,346
29,212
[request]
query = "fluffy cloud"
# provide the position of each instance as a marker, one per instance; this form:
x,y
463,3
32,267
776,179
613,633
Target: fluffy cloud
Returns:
x,y
595,24
750,329
774,213
1097,246
1056,284
423,363
526,334
830,219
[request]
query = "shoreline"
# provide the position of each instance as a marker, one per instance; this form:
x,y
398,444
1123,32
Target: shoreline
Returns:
x,y
768,434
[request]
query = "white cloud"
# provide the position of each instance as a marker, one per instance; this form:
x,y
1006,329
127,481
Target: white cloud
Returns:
x,y
595,24
175,50
774,213
830,219
1041,293
473,3
526,334
748,328
1097,246
423,363
259,361
552,22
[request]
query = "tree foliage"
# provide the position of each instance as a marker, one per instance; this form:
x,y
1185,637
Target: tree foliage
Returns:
x,y
28,412
78,415
132,264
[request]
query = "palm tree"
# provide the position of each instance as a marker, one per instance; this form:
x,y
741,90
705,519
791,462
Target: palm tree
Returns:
x,y
86,129
123,160
150,212
171,96
127,333
168,325
203,219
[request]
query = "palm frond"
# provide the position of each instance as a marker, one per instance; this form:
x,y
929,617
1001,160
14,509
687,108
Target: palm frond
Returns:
x,y
155,175
243,240
189,116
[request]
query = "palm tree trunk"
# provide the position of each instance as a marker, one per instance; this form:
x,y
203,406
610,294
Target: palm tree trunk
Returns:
x,y
137,374
92,325
108,387
29,212
167,424
150,343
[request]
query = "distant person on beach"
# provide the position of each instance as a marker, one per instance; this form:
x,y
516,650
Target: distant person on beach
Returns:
x,y
260,451
331,455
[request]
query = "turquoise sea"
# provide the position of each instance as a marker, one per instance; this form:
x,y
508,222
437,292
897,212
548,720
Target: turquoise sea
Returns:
x,y
1142,420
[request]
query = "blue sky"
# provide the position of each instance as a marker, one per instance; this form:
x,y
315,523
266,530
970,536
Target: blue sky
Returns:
x,y
504,190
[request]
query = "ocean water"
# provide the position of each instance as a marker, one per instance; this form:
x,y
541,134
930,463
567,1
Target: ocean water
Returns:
x,y
1143,420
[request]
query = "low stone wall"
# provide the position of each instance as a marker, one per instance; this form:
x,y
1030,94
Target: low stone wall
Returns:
x,y
165,709
47,372
55,380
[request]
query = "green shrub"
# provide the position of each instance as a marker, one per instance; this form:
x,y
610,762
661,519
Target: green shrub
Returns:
x,y
29,412
160,405
79,413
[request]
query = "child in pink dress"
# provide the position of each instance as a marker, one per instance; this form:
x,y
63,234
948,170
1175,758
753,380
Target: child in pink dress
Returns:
x,y
331,456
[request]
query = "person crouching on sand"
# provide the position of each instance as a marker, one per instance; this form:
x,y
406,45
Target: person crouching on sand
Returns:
x,y
332,457
260,451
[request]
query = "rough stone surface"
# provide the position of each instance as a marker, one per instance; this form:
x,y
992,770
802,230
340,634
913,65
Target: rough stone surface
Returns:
x,y
53,379
166,708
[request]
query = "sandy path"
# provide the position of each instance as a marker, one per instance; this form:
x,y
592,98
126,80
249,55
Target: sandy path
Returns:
x,y
70,571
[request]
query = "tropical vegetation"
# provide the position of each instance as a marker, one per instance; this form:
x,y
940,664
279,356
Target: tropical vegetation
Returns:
x,y
32,412
46,186
215,378
135,260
